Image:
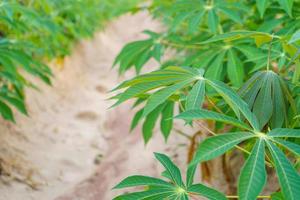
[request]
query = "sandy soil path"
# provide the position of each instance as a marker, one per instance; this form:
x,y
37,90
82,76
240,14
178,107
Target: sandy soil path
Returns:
x,y
76,147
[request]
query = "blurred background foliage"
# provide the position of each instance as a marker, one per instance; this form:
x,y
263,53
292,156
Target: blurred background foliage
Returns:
x,y
33,32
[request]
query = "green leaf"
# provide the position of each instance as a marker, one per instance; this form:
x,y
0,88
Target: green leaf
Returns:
x,y
166,123
141,60
131,53
287,5
253,174
284,132
206,192
213,21
195,22
157,51
251,88
149,123
263,105
171,168
137,180
190,174
198,114
230,13
295,37
261,6
196,96
215,69
162,95
201,59
288,177
137,117
142,88
279,105
235,69
170,73
293,147
215,146
18,103
6,112
149,194
235,102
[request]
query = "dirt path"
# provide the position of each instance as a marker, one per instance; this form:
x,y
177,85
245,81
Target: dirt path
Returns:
x,y
74,147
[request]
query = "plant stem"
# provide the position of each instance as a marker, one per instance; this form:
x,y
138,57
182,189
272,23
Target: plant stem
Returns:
x,y
183,134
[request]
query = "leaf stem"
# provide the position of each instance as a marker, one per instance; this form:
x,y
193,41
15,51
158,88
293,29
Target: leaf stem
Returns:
x,y
179,132
214,105
269,53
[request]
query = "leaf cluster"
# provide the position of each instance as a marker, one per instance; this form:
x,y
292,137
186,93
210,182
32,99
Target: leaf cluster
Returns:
x,y
232,62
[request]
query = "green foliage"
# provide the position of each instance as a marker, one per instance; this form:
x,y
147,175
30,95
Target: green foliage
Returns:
x,y
174,188
34,32
232,62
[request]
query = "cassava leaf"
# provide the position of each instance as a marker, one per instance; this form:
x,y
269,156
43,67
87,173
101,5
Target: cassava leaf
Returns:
x,y
293,147
171,168
253,174
231,14
206,192
214,70
148,194
286,5
235,102
150,121
235,69
295,37
279,105
198,114
289,178
137,117
263,105
261,5
166,123
215,146
190,174
213,21
196,96
162,95
284,132
6,112
137,180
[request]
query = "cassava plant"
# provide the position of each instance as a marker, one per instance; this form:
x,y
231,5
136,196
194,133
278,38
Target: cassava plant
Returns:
x,y
233,63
